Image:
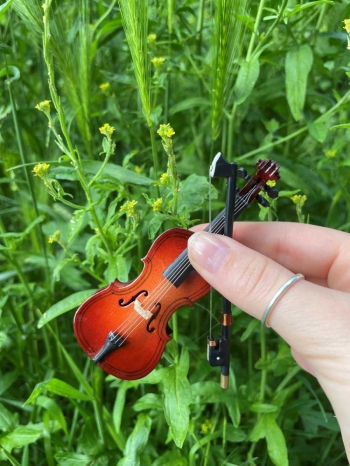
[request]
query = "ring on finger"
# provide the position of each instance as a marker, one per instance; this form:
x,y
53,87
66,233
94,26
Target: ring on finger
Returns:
x,y
278,296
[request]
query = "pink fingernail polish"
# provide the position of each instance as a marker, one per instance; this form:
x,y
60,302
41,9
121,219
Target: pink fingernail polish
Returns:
x,y
207,251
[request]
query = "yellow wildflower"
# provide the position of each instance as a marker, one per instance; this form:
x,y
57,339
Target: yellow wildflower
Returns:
x,y
105,86
299,200
271,183
107,130
40,169
151,39
157,204
331,153
55,237
157,62
165,131
164,179
138,169
347,25
206,427
44,106
129,208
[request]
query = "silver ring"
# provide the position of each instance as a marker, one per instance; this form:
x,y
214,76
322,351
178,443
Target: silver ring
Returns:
x,y
278,295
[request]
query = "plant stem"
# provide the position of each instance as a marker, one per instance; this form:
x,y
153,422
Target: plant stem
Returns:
x,y
263,358
154,150
256,29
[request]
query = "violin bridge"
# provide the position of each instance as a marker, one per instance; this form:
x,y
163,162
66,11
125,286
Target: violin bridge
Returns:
x,y
140,310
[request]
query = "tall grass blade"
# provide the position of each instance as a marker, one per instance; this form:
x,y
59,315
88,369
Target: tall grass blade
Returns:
x,y
226,49
135,22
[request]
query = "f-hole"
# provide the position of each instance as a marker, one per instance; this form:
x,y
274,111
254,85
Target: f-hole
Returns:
x,y
133,298
148,327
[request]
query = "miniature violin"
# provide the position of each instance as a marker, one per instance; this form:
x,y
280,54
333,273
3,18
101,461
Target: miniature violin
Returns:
x,y
124,326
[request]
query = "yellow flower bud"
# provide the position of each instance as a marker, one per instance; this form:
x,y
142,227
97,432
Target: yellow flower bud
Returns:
x,y
107,130
157,62
55,237
299,200
129,208
44,106
151,39
157,205
104,87
41,169
166,131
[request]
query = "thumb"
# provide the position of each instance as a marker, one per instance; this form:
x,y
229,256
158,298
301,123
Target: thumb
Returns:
x,y
250,280
314,320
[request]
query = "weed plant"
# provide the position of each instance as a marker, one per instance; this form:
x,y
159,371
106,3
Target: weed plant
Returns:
x,y
86,186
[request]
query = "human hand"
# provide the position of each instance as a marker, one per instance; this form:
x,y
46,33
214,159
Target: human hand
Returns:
x,y
313,316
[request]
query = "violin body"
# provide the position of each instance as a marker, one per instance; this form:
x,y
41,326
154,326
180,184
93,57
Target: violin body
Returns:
x,y
124,327
138,312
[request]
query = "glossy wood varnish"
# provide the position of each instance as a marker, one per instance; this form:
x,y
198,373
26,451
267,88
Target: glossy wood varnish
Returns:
x,y
103,312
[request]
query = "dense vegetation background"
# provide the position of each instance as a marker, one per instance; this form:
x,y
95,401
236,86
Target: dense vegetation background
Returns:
x,y
81,204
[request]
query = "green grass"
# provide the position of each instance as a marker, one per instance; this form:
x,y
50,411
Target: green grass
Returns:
x,y
227,82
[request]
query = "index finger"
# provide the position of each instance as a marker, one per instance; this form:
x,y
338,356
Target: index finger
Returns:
x,y
319,253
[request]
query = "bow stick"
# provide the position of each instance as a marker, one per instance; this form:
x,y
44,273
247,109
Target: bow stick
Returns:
x,y
219,350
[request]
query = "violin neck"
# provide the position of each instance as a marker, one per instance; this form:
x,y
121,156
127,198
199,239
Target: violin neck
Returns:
x,y
179,270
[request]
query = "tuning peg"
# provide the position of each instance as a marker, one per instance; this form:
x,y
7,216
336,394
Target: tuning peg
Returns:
x,y
242,173
262,201
271,192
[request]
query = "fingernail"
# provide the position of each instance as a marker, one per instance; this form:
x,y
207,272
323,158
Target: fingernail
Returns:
x,y
208,251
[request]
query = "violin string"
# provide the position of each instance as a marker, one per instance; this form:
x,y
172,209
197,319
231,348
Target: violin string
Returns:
x,y
166,284
182,266
211,288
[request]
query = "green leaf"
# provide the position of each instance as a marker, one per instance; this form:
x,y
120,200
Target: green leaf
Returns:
x,y
19,437
3,338
67,304
8,420
117,268
247,76
5,6
171,458
263,408
342,126
177,397
148,401
12,71
73,459
299,8
4,48
155,224
8,455
194,191
188,104
111,171
57,387
253,324
76,224
276,443
319,131
54,410
235,435
298,65
259,430
119,404
117,172
136,442
6,380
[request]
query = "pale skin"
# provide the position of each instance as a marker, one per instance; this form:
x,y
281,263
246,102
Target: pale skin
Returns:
x,y
313,316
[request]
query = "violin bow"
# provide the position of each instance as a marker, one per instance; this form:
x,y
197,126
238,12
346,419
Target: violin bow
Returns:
x,y
218,351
